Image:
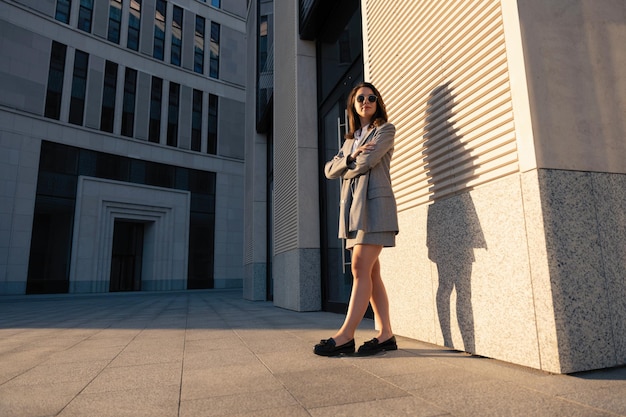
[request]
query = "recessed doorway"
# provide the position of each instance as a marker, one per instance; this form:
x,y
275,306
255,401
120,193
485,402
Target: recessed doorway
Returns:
x,y
126,256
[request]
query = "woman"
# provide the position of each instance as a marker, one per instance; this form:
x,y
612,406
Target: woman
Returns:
x,y
367,217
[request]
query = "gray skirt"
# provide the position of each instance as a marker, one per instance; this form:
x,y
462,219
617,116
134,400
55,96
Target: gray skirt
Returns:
x,y
386,239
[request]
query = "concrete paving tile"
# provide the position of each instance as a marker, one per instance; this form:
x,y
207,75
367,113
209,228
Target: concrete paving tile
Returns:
x,y
8,345
36,400
154,344
58,343
255,403
398,362
201,329
223,341
82,353
498,399
10,371
82,372
227,354
403,406
610,398
134,377
218,358
345,385
300,359
557,385
270,340
147,356
229,380
171,335
17,362
102,341
434,377
153,402
293,411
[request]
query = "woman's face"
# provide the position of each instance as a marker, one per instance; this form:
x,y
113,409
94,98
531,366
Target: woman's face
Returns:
x,y
362,104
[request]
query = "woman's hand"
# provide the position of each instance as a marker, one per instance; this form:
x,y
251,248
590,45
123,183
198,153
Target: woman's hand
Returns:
x,y
362,149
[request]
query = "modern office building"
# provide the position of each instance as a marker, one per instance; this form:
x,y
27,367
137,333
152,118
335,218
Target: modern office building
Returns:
x,y
121,147
509,168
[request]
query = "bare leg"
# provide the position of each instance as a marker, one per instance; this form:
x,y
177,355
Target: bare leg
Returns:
x,y
380,304
363,259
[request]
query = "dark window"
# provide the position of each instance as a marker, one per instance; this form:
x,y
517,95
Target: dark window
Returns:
x,y
55,80
263,42
215,50
85,13
128,107
172,115
115,20
196,121
63,11
160,175
198,54
108,97
79,87
111,167
212,130
134,25
159,30
216,3
156,96
177,35
201,226
51,239
345,51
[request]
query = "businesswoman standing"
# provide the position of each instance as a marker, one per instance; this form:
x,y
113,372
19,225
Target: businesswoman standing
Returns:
x,y
368,218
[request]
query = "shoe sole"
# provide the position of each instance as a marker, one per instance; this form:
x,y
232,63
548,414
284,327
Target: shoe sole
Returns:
x,y
335,353
376,351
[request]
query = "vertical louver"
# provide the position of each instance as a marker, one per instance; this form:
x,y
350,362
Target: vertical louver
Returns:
x,y
285,138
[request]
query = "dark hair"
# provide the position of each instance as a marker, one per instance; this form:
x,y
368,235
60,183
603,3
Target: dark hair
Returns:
x,y
354,122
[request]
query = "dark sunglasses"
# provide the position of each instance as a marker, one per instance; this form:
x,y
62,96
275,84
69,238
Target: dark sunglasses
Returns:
x,y
371,98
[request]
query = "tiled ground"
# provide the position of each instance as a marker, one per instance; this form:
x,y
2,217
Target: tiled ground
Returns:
x,y
211,353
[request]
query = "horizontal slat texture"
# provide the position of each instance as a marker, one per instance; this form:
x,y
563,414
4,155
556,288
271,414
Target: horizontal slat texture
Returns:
x,y
285,196
441,67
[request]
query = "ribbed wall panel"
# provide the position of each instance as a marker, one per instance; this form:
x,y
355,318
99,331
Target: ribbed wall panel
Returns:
x,y
285,139
442,68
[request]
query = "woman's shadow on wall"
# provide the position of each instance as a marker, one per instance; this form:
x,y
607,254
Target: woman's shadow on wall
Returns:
x,y
453,228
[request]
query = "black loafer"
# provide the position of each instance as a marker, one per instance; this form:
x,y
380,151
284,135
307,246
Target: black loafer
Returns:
x,y
372,347
328,347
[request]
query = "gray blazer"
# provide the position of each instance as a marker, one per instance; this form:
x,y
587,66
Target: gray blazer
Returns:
x,y
367,200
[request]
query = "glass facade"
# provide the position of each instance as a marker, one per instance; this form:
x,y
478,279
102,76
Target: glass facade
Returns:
x,y
156,98
214,66
107,115
177,36
85,14
172,114
62,13
196,121
212,130
115,20
79,88
160,15
134,25
55,81
198,46
128,105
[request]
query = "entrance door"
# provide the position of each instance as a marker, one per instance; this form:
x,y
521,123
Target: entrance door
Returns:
x,y
127,256
336,265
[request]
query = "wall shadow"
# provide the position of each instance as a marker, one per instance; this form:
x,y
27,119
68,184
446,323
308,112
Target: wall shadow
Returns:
x,y
453,228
